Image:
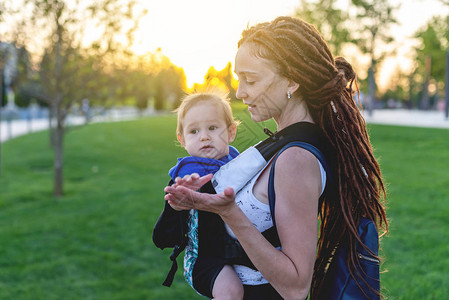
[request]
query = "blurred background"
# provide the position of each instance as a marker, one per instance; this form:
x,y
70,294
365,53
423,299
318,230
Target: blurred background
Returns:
x,y
80,192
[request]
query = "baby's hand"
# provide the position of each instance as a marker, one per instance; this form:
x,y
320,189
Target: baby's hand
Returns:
x,y
192,181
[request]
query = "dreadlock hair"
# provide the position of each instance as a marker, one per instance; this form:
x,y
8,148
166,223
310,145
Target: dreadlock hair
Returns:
x,y
327,85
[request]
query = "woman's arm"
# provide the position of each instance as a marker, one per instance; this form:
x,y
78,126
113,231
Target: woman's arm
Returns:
x,y
297,186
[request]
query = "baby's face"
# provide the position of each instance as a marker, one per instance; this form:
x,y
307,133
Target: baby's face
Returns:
x,y
205,131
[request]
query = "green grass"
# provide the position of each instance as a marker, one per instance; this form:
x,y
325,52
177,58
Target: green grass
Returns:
x,y
415,163
95,242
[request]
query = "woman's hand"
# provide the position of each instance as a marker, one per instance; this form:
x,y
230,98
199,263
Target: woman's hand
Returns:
x,y
180,197
193,182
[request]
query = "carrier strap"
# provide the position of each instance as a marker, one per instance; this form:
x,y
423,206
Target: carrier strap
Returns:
x,y
235,255
174,267
303,134
312,149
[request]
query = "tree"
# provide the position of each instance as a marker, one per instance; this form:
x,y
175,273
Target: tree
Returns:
x,y
222,79
330,21
71,65
169,86
430,56
4,9
136,85
152,76
398,88
374,19
160,79
1,89
446,82
21,77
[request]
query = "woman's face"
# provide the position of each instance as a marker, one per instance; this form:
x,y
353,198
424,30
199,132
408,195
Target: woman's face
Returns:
x,y
260,87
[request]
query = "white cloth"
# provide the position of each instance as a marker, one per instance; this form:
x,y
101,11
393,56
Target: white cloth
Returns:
x,y
259,214
238,171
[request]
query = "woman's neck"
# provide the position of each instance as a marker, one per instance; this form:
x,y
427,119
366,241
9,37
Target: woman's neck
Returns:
x,y
295,111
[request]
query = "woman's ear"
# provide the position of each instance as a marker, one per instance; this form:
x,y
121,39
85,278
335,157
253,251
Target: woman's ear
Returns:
x,y
232,131
180,139
292,86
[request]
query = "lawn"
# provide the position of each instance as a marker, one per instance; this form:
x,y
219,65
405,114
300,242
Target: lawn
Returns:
x,y
95,242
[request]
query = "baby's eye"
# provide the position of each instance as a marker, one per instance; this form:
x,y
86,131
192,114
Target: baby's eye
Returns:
x,y
213,127
194,131
250,82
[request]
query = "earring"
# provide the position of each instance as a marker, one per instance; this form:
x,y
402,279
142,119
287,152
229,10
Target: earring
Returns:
x,y
289,95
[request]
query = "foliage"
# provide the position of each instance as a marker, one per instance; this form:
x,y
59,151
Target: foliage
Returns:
x,y
374,19
14,67
151,77
398,88
433,41
2,92
432,44
23,71
169,86
70,67
223,79
331,22
364,24
29,91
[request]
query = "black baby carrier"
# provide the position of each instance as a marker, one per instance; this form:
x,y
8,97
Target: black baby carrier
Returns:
x,y
217,248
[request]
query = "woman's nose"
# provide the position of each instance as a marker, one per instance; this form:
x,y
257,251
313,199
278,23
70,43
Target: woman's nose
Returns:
x,y
240,93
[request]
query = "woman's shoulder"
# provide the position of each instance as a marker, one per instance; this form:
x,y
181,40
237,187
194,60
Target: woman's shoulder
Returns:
x,y
295,157
296,168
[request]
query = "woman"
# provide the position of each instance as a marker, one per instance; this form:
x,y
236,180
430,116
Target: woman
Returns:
x,y
286,72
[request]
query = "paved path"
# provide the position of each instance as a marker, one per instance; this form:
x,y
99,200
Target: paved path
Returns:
x,y
403,117
434,119
16,128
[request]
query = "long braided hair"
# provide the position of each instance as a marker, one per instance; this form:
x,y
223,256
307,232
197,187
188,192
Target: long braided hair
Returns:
x,y
327,85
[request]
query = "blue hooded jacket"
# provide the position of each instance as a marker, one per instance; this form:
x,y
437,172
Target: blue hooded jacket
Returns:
x,y
201,165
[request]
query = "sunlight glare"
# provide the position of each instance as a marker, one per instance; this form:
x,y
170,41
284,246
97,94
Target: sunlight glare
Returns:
x,y
201,33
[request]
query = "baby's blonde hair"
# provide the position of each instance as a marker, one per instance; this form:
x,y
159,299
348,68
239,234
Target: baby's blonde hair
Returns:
x,y
212,95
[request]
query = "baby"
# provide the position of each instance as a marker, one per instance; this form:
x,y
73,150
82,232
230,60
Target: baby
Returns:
x,y
205,128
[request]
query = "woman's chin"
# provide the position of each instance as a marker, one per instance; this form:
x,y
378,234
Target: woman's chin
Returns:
x,y
259,118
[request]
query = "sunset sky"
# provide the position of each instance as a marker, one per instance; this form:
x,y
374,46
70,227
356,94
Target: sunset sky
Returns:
x,y
196,34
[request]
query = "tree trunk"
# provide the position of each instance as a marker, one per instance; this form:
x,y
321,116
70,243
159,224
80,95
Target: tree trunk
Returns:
x,y
51,125
425,100
371,89
58,157
1,105
446,83
411,101
446,87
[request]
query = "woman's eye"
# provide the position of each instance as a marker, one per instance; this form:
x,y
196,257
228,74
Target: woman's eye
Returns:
x,y
250,82
213,127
